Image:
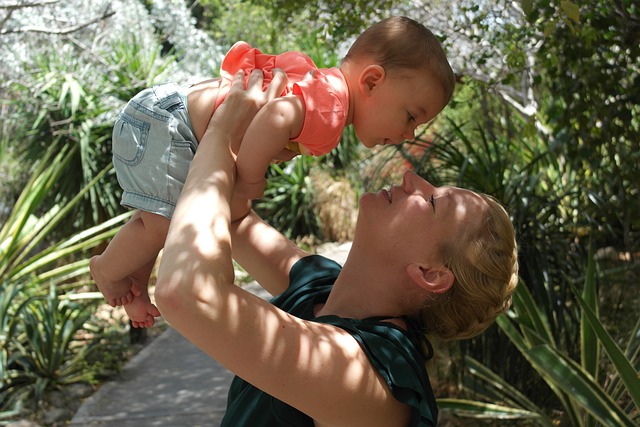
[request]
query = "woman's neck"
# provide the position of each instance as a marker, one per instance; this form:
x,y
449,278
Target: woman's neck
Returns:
x,y
362,291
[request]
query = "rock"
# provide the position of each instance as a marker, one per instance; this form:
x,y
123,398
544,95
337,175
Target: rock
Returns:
x,y
50,416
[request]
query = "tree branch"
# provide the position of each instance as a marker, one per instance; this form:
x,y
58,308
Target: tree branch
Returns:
x,y
56,31
16,6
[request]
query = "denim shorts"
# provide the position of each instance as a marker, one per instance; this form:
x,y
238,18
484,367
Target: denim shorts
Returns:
x,y
153,146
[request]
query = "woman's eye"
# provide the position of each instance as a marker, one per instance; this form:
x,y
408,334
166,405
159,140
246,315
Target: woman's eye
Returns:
x,y
432,200
411,118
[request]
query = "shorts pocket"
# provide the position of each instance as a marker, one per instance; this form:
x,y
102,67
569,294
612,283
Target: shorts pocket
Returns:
x,y
130,136
182,153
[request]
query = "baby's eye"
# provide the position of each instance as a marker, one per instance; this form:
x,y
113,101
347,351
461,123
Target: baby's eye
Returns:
x,y
411,118
432,200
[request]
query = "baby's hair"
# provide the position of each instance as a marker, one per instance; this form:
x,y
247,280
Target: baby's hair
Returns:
x,y
400,44
485,266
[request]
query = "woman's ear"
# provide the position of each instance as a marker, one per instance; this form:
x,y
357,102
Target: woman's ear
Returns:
x,y
436,280
370,77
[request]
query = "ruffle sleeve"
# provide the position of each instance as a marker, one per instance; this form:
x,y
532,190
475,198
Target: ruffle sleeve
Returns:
x,y
326,101
242,56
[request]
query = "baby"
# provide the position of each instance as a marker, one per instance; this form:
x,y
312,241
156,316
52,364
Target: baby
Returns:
x,y
394,78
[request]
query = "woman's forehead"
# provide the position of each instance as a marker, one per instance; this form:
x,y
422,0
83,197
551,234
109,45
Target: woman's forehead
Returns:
x,y
462,201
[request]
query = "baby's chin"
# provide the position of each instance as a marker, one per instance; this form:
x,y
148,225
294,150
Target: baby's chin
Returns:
x,y
370,143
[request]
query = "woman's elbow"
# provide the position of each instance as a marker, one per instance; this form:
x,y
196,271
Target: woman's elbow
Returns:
x,y
168,300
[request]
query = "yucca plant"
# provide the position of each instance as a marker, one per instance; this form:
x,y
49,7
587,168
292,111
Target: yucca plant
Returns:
x,y
37,273
589,397
135,65
46,353
522,174
71,101
288,199
60,103
11,298
26,247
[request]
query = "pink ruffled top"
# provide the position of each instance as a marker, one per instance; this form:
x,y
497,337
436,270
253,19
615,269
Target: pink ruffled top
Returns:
x,y
326,97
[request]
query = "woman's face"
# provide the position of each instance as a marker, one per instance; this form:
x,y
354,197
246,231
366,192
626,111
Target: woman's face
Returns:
x,y
415,218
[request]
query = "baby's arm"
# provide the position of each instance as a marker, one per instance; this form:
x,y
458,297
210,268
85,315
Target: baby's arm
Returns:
x,y
269,132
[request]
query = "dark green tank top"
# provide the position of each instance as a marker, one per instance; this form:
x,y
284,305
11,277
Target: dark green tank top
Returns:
x,y
393,352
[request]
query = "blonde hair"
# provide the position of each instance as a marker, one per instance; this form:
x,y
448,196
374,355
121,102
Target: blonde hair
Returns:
x,y
399,44
485,266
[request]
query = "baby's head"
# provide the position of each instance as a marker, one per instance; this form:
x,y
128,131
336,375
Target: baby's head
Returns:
x,y
399,45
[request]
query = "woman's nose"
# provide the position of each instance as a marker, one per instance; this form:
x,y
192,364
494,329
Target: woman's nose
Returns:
x,y
408,181
412,182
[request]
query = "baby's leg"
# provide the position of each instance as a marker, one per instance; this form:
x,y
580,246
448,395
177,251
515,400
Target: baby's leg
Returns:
x,y
135,246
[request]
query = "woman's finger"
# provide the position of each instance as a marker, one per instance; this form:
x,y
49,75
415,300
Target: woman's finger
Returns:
x,y
277,85
254,84
237,85
238,79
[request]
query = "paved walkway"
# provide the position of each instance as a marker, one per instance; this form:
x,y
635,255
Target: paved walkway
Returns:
x,y
169,383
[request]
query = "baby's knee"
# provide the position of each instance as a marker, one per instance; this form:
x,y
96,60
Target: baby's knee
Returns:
x,y
156,227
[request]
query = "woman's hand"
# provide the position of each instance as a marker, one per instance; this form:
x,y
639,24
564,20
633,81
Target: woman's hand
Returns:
x,y
241,105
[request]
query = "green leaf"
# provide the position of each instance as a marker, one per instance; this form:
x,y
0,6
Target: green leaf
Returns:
x,y
575,382
623,366
549,27
589,343
510,394
475,409
71,88
571,10
517,339
529,314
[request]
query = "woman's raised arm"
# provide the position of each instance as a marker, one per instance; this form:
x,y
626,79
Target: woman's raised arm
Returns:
x,y
197,254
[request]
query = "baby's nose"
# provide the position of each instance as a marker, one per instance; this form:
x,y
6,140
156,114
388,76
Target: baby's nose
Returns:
x,y
409,134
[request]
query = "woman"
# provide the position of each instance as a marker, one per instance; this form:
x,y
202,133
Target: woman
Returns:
x,y
338,346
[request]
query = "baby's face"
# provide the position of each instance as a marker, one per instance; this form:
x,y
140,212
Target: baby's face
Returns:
x,y
395,108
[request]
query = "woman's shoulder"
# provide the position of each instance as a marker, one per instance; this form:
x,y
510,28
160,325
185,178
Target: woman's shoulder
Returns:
x,y
392,349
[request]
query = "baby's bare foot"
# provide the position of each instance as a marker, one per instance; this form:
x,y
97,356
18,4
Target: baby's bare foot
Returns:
x,y
141,310
118,292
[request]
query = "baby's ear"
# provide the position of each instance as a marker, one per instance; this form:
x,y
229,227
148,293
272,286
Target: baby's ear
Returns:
x,y
370,78
437,280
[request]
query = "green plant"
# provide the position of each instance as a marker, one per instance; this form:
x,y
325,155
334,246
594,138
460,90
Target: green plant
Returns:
x,y
26,247
38,349
60,104
71,102
11,298
288,199
46,354
134,66
550,211
346,158
588,396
